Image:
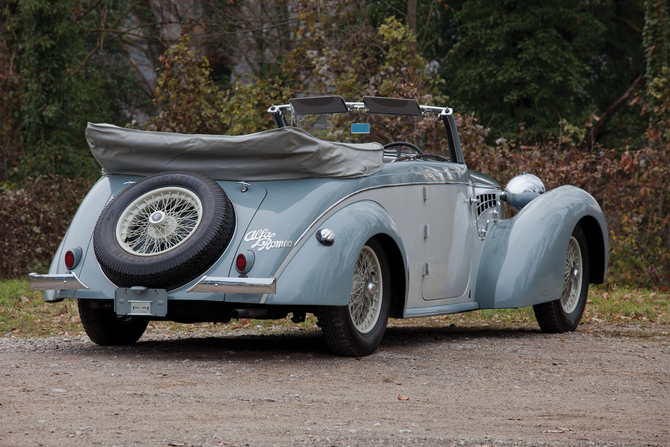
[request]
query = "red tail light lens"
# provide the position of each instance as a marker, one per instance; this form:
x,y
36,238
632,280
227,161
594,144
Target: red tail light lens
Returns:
x,y
241,263
245,261
69,259
72,257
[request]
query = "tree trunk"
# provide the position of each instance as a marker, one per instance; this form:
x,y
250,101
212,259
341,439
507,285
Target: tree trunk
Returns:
x,y
655,37
411,15
598,128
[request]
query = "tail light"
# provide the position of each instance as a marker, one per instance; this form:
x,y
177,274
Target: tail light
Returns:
x,y
244,262
72,257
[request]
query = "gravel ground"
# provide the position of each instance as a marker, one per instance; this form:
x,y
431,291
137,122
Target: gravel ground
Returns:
x,y
463,386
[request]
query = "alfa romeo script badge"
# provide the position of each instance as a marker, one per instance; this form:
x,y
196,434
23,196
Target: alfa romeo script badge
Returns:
x,y
264,240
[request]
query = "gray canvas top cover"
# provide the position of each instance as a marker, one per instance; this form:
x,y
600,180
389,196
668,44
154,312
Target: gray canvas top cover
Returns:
x,y
277,154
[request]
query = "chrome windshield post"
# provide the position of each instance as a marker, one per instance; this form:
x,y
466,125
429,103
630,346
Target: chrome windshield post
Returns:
x,y
447,119
278,116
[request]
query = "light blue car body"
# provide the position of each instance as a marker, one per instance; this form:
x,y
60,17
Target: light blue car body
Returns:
x,y
448,253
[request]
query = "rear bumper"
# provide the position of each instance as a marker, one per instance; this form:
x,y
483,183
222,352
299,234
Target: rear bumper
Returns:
x,y
235,285
63,281
70,281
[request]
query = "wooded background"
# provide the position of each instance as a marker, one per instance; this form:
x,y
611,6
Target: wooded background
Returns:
x,y
576,92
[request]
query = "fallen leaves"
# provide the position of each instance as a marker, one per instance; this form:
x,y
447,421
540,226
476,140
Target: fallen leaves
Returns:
x,y
241,323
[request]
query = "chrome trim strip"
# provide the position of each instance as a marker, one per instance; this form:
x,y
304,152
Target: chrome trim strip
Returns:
x,y
62,281
488,188
235,285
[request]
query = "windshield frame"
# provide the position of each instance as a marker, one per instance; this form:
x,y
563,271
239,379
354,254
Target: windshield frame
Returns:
x,y
445,114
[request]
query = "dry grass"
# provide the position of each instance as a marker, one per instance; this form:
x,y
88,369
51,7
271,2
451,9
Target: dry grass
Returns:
x,y
24,313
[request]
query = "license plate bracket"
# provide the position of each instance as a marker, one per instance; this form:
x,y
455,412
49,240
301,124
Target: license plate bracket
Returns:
x,y
140,302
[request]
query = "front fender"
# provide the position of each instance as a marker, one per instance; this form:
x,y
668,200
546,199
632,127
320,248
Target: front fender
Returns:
x,y
524,257
322,275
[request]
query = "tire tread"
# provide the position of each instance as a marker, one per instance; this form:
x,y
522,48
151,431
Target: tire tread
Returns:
x,y
334,327
104,328
337,327
187,265
550,316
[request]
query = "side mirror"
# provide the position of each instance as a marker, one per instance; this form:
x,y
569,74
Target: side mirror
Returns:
x,y
522,189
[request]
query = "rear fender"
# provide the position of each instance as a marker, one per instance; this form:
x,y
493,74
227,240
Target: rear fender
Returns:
x,y
80,233
524,257
323,275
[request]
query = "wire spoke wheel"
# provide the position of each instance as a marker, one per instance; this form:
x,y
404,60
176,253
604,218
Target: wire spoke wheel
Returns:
x,y
572,277
357,328
564,313
366,291
159,221
163,231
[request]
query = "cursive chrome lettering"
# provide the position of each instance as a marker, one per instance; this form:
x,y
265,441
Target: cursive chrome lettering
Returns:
x,y
263,240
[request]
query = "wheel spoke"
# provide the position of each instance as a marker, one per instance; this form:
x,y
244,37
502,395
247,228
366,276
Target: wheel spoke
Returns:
x,y
572,277
182,212
365,304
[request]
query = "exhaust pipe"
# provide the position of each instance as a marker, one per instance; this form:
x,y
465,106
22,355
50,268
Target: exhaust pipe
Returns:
x,y
249,313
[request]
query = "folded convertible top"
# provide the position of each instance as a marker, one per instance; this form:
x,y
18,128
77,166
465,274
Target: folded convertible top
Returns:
x,y
277,154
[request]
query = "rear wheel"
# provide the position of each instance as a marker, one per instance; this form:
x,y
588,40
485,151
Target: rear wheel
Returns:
x,y
106,328
357,329
564,314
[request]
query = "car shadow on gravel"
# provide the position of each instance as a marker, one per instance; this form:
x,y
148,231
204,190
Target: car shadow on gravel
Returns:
x,y
422,336
299,344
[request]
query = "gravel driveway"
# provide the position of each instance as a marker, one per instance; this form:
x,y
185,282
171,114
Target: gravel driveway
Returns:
x,y
463,386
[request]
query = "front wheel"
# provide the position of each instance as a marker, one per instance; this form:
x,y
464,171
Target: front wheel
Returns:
x,y
564,314
106,328
356,329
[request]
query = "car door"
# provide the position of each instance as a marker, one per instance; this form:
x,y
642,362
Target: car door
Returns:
x,y
447,240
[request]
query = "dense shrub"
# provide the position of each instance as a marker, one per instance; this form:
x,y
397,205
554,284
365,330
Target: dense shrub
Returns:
x,y
632,188
33,220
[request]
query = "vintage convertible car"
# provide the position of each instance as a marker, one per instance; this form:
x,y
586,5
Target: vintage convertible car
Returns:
x,y
195,228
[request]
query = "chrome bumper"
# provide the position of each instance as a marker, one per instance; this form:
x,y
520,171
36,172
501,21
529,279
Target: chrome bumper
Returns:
x,y
235,285
64,281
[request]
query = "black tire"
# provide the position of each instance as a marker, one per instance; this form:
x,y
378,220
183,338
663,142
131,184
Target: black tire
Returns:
x,y
565,313
191,235
343,336
105,328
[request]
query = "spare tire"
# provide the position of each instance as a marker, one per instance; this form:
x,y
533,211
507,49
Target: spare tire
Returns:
x,y
163,231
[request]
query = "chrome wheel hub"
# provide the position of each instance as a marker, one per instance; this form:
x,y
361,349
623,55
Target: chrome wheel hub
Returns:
x,y
370,290
157,217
